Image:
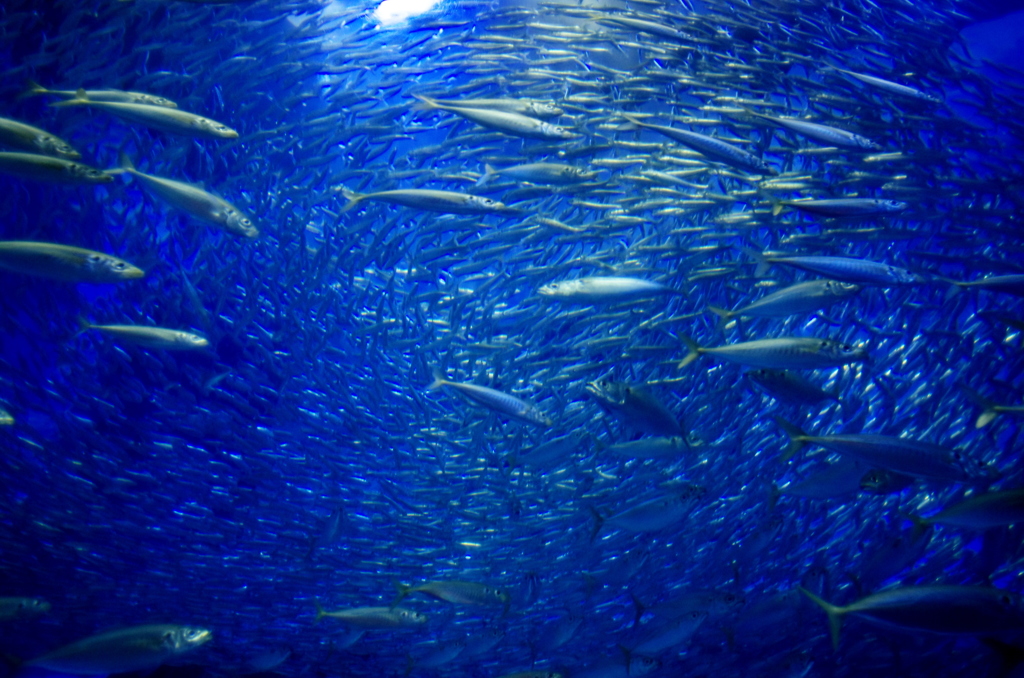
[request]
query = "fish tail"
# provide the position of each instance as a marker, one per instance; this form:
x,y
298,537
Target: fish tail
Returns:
x,y
988,412
403,591
438,382
83,326
796,437
320,614
34,89
777,207
639,609
921,525
724,317
598,523
486,176
81,99
426,104
694,353
835,615
760,260
352,197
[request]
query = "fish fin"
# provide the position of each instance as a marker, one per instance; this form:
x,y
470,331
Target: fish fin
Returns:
x,y
989,411
124,162
439,380
77,101
352,197
34,89
426,104
488,174
724,317
83,326
694,353
835,615
777,207
796,436
598,523
403,591
761,262
921,525
320,614
640,609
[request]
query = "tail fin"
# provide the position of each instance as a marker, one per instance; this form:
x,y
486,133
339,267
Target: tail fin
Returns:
x,y
693,354
489,173
989,411
640,609
426,104
34,89
81,99
320,614
352,197
777,207
835,615
724,317
83,326
759,259
796,437
403,591
124,164
438,382
598,523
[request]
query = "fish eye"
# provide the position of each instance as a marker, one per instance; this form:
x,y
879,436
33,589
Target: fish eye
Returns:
x,y
824,343
846,347
94,258
120,266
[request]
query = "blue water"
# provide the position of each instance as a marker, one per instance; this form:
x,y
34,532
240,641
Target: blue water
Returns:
x,y
301,457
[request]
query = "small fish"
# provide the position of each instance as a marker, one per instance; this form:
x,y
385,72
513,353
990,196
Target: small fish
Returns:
x,y
790,387
514,124
137,648
990,409
953,610
710,147
16,134
1012,284
716,602
193,200
63,262
842,207
374,617
890,87
115,95
171,120
539,173
561,632
22,608
884,481
636,407
787,353
540,109
51,170
6,419
495,400
604,290
441,654
150,337
805,297
823,133
981,512
457,592
653,515
846,269
651,447
666,635
446,202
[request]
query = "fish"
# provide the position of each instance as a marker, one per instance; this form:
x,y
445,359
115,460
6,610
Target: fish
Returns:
x,y
636,407
161,118
193,200
458,593
51,170
890,87
533,108
790,387
150,337
655,514
14,134
805,297
666,635
497,401
22,608
604,290
843,207
514,124
990,409
6,418
539,173
114,95
832,136
374,617
715,602
711,148
785,353
267,661
884,481
981,511
651,447
951,610
1012,284
64,262
447,202
844,269
136,648
910,457
440,654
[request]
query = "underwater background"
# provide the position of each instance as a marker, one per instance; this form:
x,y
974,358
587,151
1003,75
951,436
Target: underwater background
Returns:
x,y
299,460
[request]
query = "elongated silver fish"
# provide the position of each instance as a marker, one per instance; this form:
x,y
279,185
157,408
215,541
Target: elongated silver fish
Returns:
x,y
495,400
514,124
530,107
115,95
655,514
374,617
1012,284
457,592
805,297
136,648
823,133
604,290
16,134
63,262
539,173
22,608
843,207
669,634
785,353
954,610
151,337
49,169
710,147
845,269
447,202
890,87
982,511
172,120
902,455
790,387
194,201
636,407
651,447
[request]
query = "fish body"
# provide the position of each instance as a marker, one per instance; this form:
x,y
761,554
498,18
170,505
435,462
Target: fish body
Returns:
x,y
604,290
669,634
22,608
540,173
650,447
152,337
498,401
636,407
903,455
832,136
14,134
845,269
890,87
785,353
982,511
49,169
63,262
514,124
1012,284
458,593
6,419
136,648
953,610
447,202
884,481
171,120
711,148
194,201
805,297
655,514
375,617
715,602
790,387
530,107
844,207
113,95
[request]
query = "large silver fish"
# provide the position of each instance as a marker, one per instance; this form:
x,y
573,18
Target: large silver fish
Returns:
x,y
137,648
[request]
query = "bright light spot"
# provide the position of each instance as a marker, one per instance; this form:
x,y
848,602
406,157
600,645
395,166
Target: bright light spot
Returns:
x,y
391,12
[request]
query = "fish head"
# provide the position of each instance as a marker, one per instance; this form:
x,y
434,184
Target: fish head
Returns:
x,y
412,617
727,601
189,340
110,269
842,289
183,638
543,110
487,204
608,393
51,145
79,172
560,289
641,666
152,100
237,222
892,205
215,129
579,174
847,353
499,596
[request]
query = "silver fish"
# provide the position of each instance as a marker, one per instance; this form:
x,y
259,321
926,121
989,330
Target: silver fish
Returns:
x,y
787,353
137,648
